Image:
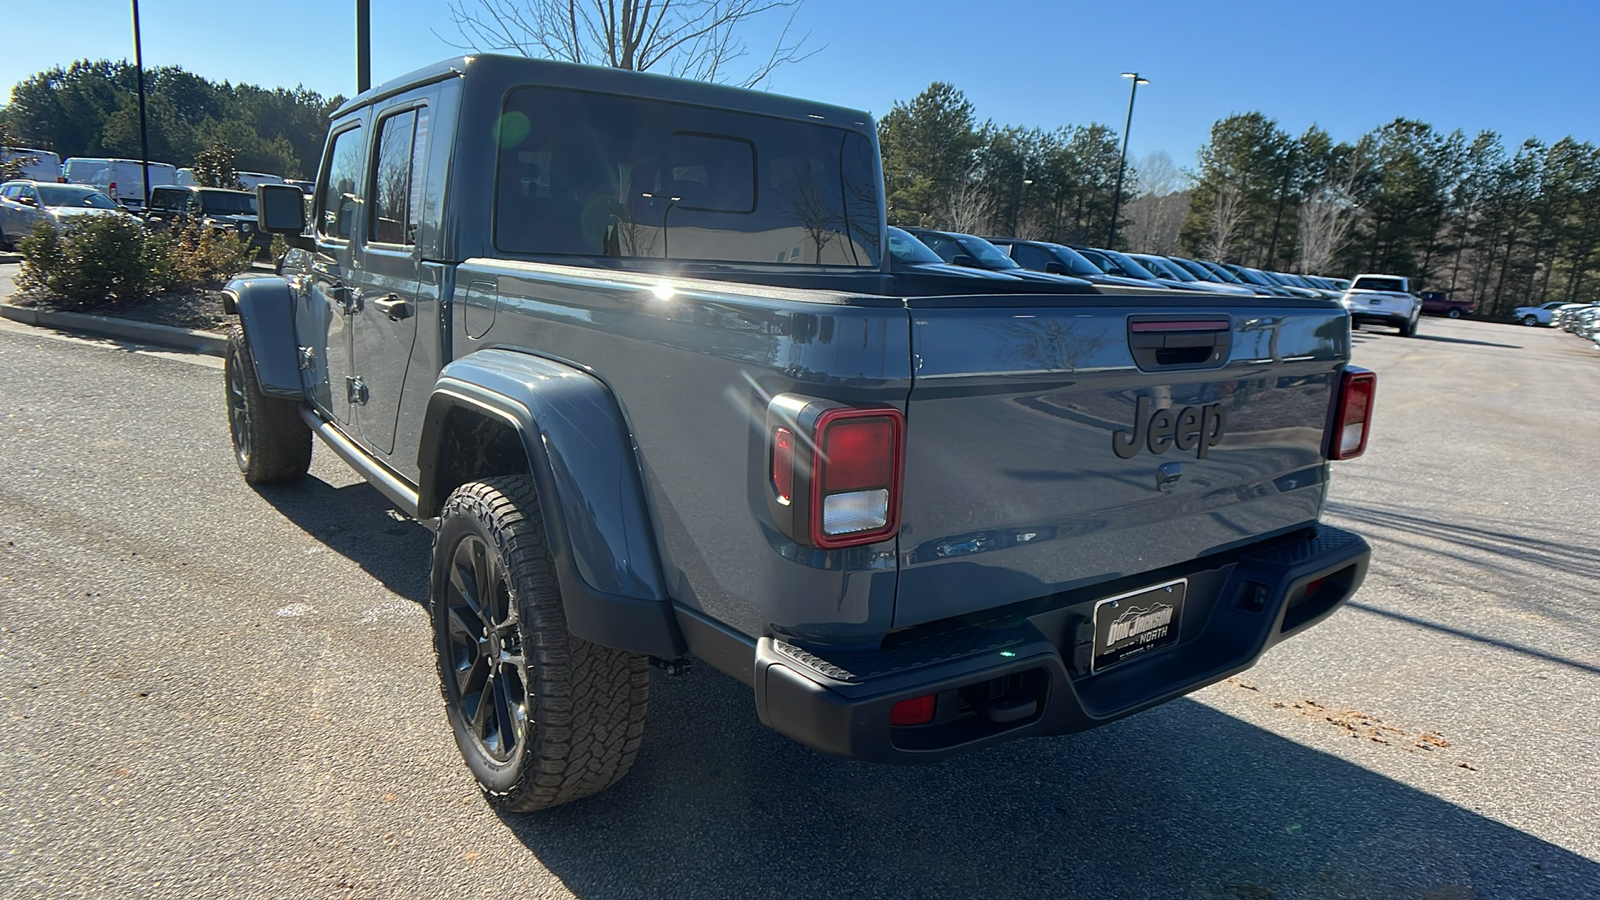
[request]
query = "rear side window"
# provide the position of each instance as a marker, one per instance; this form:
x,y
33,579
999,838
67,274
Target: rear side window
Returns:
x,y
1030,257
340,200
603,176
397,178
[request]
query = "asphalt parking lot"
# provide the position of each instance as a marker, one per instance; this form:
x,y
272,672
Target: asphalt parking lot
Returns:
x,y
208,690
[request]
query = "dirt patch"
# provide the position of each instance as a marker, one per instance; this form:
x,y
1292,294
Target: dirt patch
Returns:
x,y
1364,726
200,310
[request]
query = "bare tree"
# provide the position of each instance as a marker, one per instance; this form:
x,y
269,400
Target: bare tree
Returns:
x,y
1154,222
969,208
696,39
1222,226
1327,214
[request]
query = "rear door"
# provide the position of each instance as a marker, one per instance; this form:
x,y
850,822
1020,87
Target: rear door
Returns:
x,y
384,322
1054,443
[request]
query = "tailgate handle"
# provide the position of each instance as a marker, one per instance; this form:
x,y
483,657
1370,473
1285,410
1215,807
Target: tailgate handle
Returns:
x,y
1179,343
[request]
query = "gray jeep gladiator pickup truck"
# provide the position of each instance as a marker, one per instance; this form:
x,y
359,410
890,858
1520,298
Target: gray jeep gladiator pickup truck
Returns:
x,y
631,347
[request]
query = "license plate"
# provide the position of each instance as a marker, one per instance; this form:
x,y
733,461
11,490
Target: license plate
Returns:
x,y
1131,625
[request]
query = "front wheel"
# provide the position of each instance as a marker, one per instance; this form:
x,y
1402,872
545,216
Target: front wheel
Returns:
x,y
1454,313
1530,319
270,441
540,716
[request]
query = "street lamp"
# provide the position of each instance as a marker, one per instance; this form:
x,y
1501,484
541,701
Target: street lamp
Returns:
x,y
1116,200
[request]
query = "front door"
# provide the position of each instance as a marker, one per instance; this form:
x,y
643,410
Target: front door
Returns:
x,y
384,323
327,299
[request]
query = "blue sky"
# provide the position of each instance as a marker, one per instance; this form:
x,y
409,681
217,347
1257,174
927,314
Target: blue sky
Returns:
x,y
1526,70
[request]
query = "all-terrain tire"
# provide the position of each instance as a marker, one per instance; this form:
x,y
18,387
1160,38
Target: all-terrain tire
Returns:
x,y
540,716
270,440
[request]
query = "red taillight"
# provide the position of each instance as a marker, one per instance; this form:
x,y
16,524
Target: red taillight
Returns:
x,y
916,711
1352,418
855,489
783,465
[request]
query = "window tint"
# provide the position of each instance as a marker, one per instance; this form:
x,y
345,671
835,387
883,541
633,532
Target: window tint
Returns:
x,y
11,191
341,198
715,174
1394,285
1030,257
598,175
393,207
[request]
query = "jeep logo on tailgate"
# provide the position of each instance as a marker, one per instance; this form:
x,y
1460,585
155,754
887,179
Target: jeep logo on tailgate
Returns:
x,y
1186,429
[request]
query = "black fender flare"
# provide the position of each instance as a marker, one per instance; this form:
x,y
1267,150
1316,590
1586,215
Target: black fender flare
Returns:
x,y
265,307
581,455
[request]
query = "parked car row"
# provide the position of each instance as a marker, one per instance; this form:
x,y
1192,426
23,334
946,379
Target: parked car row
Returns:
x,y
1581,319
1087,268
121,179
24,204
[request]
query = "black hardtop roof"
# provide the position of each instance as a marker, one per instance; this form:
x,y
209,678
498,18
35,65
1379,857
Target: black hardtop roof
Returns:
x,y
501,73
198,187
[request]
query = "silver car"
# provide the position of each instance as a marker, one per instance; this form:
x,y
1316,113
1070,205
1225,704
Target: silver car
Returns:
x,y
24,204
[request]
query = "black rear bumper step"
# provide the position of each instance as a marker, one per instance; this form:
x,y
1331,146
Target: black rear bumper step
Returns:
x,y
1025,672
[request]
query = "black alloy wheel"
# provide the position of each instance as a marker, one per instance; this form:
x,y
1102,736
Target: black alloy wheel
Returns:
x,y
270,440
238,412
483,647
541,716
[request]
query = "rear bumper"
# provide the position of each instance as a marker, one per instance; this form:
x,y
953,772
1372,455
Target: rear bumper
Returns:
x,y
1379,318
1025,671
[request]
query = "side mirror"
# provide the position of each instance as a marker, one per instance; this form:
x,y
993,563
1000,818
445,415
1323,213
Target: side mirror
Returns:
x,y
27,201
1055,268
962,259
280,209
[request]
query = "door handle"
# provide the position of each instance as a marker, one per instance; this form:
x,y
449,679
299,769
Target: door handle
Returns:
x,y
393,306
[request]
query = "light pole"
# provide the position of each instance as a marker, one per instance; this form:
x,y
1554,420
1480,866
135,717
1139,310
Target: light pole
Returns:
x,y
144,133
363,45
1116,199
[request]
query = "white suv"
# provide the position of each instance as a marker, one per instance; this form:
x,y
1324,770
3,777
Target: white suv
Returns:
x,y
1383,300
1540,315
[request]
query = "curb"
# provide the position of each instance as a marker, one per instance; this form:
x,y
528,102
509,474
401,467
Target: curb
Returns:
x,y
123,329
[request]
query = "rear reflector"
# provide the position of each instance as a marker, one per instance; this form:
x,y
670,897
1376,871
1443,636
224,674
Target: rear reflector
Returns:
x,y
916,711
783,465
1353,417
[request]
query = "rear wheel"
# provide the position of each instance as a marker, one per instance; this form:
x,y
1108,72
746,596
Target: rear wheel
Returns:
x,y
541,717
270,441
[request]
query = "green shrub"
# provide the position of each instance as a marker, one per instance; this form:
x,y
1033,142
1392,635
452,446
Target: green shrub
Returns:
x,y
103,260
208,257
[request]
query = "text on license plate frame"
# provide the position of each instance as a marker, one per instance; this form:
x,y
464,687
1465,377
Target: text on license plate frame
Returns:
x,y
1146,621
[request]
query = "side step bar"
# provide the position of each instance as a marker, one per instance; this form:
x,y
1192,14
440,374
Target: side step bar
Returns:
x,y
377,474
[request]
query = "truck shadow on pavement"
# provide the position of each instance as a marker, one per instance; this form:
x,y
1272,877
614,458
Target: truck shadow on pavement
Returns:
x,y
1361,336
361,524
1180,801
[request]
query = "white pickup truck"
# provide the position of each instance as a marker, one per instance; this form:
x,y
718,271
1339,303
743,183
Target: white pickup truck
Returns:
x,y
1383,300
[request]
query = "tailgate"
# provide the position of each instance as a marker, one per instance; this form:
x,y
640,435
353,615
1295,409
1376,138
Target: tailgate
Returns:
x,y
1053,443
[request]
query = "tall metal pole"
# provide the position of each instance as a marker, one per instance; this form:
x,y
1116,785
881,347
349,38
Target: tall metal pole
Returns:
x,y
144,134
1116,200
363,45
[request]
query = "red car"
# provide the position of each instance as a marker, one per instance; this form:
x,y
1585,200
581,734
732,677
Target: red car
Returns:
x,y
1439,304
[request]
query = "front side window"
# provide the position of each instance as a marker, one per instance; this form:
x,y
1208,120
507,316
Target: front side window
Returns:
x,y
340,200
604,176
